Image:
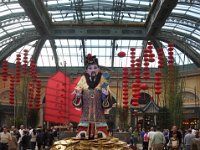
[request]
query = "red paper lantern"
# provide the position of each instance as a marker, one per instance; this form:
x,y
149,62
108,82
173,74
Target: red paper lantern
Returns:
x,y
125,84
125,81
170,44
132,57
132,61
125,89
132,67
132,53
151,59
158,92
157,77
171,53
125,69
134,84
135,103
157,82
146,51
150,46
125,102
146,77
170,48
170,61
132,49
30,105
146,59
144,86
158,87
11,102
25,50
121,54
158,73
146,68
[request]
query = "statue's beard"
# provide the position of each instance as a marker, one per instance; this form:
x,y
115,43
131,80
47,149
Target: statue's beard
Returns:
x,y
93,76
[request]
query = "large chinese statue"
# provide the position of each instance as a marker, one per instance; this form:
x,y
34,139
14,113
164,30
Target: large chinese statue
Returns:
x,y
92,94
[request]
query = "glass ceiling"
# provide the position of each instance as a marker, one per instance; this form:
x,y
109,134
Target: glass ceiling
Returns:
x,y
184,22
95,10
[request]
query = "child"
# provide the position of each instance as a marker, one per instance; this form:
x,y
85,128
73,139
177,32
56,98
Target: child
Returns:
x,y
145,140
173,142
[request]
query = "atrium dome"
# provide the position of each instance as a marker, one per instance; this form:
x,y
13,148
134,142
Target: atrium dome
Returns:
x,y
61,33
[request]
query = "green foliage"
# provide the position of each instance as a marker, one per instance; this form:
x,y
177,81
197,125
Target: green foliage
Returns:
x,y
18,121
164,118
123,117
21,104
173,87
33,118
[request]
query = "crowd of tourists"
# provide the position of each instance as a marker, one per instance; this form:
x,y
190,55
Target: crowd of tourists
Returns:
x,y
26,138
157,139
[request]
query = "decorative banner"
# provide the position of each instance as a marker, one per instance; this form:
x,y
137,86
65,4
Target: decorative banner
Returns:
x,y
58,106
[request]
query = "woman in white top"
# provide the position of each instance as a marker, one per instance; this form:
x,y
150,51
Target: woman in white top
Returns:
x,y
33,139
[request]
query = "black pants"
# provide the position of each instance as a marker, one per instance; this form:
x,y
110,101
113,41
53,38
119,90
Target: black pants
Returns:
x,y
145,145
4,146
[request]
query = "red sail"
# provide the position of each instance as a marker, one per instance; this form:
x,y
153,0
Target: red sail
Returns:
x,y
58,105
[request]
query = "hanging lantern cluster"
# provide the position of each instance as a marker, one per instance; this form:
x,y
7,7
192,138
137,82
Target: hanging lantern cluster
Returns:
x,y
18,68
33,72
151,54
136,85
125,87
135,93
171,64
132,56
25,61
5,70
138,70
146,64
30,95
157,82
11,98
160,58
38,91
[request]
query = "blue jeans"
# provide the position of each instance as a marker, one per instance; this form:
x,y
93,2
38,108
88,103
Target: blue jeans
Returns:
x,y
4,146
187,147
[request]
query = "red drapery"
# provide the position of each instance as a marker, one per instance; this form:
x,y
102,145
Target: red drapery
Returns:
x,y
58,105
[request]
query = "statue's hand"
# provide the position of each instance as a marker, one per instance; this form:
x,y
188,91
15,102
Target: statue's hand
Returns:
x,y
104,91
78,93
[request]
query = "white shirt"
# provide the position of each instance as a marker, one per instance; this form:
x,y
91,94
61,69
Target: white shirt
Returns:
x,y
5,137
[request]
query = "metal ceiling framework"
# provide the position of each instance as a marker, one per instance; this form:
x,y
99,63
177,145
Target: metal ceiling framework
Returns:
x,y
182,46
79,27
